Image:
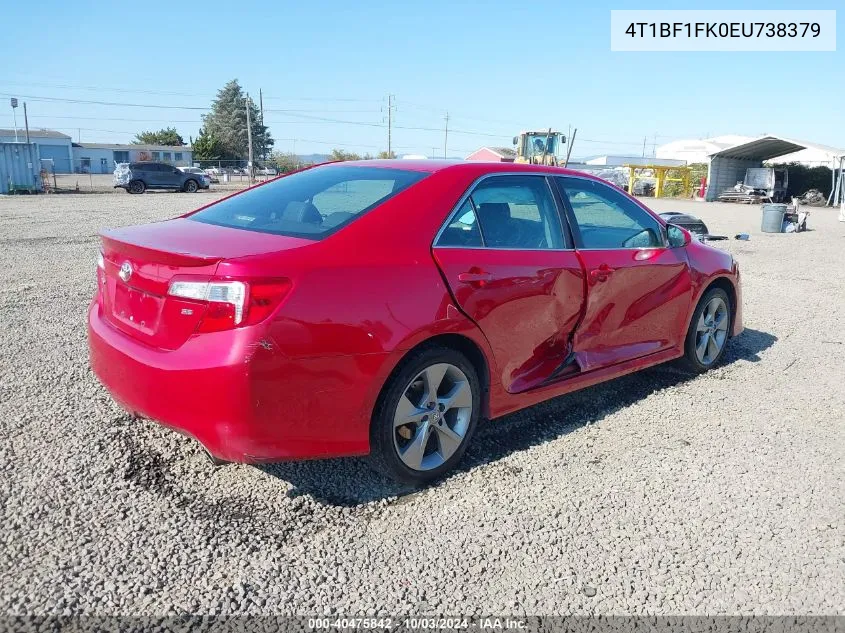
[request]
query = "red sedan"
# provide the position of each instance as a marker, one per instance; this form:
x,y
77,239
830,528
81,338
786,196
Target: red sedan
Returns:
x,y
384,307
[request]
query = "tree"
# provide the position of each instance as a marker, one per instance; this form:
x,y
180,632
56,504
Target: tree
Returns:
x,y
386,155
165,136
207,146
227,121
285,161
340,154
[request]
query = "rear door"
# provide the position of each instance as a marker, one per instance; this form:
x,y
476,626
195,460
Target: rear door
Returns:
x,y
511,268
638,289
152,175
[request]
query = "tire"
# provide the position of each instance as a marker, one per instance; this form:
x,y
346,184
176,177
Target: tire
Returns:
x,y
434,439
137,186
709,330
190,186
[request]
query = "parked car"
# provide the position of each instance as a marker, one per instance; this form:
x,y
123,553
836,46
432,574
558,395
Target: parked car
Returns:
x,y
691,223
265,171
384,307
138,177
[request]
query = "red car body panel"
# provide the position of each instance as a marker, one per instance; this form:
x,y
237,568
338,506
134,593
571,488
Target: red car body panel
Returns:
x,y
527,308
303,382
632,295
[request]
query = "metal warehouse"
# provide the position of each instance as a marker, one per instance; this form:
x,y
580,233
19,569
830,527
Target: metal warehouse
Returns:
x,y
728,166
51,145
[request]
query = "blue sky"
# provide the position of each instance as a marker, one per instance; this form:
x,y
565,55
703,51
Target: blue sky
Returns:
x,y
496,67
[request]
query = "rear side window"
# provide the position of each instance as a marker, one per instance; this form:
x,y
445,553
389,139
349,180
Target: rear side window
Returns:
x,y
311,203
506,212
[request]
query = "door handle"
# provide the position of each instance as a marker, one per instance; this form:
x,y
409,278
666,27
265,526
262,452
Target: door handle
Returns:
x,y
475,277
601,273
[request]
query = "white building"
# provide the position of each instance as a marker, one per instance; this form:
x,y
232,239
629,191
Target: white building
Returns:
x,y
698,150
100,158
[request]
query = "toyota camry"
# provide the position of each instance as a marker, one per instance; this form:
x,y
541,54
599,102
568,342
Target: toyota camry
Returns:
x,y
383,308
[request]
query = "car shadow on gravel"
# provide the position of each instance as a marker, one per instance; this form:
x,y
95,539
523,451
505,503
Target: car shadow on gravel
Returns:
x,y
350,482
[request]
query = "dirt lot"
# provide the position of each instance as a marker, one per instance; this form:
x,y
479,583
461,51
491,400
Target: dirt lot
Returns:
x,y
657,493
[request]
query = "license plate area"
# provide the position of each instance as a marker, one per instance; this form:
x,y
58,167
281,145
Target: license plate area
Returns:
x,y
136,308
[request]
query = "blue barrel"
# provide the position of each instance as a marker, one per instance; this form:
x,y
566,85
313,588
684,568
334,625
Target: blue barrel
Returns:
x,y
773,218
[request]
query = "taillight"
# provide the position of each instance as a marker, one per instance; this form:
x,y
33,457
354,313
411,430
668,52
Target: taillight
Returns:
x,y
101,275
231,303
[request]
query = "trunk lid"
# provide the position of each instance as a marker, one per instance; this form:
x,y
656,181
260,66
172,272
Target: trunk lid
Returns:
x,y
141,261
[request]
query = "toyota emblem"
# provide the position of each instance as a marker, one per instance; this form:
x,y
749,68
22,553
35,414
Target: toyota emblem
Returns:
x,y
125,271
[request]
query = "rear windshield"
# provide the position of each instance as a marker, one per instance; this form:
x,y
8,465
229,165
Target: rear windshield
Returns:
x,y
312,203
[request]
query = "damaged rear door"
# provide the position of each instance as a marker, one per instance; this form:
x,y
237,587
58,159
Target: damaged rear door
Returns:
x,y
511,269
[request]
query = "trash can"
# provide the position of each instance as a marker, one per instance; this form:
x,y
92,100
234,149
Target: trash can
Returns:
x,y
773,218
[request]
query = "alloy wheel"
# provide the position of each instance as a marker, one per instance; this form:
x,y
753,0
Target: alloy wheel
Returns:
x,y
432,417
711,331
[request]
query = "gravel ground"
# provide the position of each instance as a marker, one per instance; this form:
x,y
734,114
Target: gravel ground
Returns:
x,y
653,494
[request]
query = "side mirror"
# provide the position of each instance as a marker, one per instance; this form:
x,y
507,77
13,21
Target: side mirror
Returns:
x,y
678,237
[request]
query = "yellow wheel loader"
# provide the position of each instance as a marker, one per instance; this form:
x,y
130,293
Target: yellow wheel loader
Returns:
x,y
539,148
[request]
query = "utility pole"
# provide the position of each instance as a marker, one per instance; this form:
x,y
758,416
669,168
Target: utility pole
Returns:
x,y
446,136
644,140
654,146
249,138
389,126
569,150
261,107
26,122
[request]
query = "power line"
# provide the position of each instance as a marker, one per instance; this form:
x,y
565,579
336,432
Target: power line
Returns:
x,y
107,103
172,93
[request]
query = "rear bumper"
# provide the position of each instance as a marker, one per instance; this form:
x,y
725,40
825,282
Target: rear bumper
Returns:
x,y
236,393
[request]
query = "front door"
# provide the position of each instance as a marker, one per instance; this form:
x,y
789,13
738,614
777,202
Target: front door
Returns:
x,y
638,290
512,271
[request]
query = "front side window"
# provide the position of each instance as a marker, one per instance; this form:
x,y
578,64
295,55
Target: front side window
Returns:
x,y
607,219
510,212
312,203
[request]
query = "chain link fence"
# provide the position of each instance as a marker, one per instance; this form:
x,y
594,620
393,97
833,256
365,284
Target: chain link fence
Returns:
x,y
97,176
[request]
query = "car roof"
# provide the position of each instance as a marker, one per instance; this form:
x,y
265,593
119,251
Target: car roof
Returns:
x,y
476,168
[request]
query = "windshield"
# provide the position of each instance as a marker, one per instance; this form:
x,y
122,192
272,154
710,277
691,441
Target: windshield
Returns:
x,y
538,143
312,203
